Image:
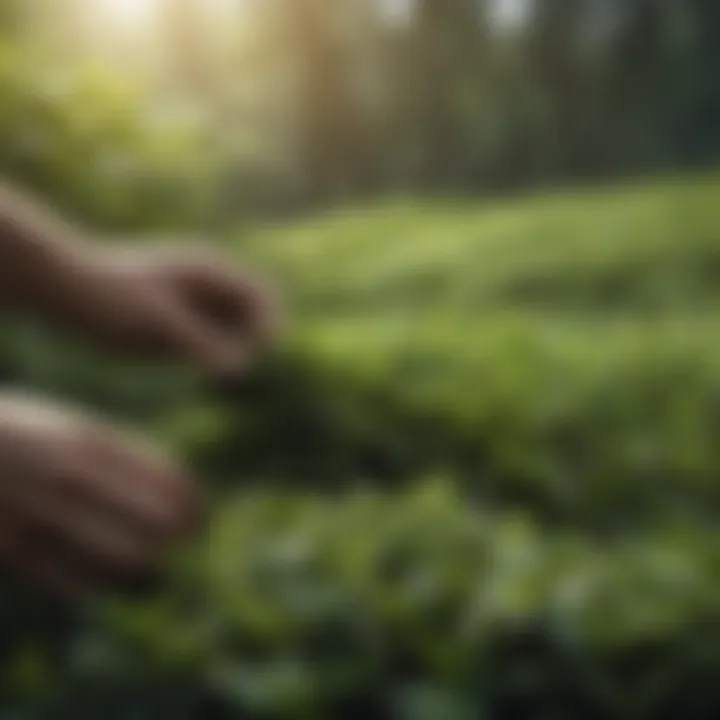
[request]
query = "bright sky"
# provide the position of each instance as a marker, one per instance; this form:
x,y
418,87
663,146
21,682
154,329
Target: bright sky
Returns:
x,y
128,13
398,11
511,14
137,14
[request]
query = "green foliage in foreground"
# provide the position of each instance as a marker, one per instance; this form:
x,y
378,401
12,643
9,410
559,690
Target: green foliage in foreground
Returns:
x,y
304,607
555,359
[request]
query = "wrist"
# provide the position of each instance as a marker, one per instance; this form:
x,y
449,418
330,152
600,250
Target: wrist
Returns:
x,y
40,277
40,258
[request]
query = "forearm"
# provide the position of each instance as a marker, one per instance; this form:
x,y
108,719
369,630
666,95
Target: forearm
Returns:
x,y
37,253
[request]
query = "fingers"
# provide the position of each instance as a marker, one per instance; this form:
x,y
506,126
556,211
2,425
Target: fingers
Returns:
x,y
97,509
190,337
69,557
38,564
239,301
225,317
187,305
145,485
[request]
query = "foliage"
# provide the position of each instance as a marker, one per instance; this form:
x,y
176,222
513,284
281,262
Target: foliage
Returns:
x,y
295,609
559,352
79,136
480,481
315,101
351,102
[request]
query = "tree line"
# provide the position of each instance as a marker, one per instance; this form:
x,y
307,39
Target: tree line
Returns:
x,y
319,100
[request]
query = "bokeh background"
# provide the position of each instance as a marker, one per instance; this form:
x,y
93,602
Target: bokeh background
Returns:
x,y
480,478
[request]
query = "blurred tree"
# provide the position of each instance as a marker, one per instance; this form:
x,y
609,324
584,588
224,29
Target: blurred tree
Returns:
x,y
331,132
701,133
556,61
447,41
311,101
191,70
640,92
9,17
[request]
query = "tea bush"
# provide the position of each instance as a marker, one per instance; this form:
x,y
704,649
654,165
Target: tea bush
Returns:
x,y
377,604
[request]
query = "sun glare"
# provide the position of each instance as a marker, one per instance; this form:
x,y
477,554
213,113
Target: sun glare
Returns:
x,y
127,14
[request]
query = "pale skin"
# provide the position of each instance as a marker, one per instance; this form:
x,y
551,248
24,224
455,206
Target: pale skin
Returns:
x,y
85,505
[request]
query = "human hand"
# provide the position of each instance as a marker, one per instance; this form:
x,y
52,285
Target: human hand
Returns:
x,y
82,505
176,304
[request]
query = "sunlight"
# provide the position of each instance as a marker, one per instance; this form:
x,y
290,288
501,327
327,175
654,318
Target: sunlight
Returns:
x,y
128,14
510,15
142,15
398,12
